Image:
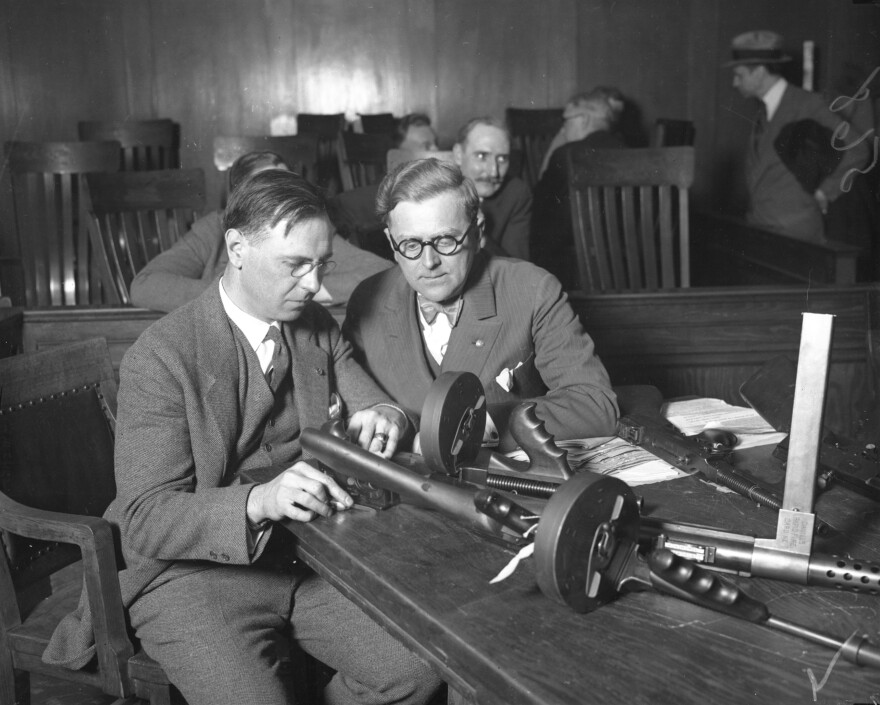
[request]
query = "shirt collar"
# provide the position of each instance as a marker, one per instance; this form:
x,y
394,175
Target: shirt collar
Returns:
x,y
773,97
253,328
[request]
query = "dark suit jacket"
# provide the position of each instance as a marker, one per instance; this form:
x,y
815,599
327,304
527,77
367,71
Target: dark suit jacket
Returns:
x,y
513,312
777,200
180,398
552,238
508,213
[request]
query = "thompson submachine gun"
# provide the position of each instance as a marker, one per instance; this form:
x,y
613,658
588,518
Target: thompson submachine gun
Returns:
x,y
453,421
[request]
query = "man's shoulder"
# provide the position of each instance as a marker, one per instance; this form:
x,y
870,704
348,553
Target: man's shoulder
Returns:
x,y
515,189
517,278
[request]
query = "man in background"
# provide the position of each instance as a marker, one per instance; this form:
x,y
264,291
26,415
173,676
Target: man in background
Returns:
x,y
794,166
415,133
450,305
482,152
184,271
588,121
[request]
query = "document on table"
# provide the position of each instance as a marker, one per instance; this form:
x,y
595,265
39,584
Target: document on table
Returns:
x,y
616,457
694,415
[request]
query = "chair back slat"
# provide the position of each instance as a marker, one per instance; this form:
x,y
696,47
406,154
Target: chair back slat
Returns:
x,y
49,194
531,132
300,152
629,204
135,215
647,241
147,145
638,226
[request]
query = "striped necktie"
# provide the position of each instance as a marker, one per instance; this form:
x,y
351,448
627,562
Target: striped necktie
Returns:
x,y
279,367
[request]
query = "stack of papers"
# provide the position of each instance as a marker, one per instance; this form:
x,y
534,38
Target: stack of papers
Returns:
x,y
695,415
616,457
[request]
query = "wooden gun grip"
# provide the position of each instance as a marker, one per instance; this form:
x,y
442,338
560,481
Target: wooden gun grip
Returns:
x,y
529,432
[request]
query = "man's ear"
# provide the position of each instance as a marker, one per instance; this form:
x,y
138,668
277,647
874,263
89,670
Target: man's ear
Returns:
x,y
236,244
457,153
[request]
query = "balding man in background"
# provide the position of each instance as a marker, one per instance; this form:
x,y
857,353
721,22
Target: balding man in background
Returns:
x,y
588,122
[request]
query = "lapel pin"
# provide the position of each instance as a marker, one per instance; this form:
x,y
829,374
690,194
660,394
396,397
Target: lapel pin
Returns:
x,y
478,342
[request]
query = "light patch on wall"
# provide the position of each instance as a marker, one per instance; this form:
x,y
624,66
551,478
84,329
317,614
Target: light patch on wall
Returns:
x,y
284,124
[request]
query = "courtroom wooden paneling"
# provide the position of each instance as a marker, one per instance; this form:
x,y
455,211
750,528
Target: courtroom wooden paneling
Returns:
x,y
707,342
496,54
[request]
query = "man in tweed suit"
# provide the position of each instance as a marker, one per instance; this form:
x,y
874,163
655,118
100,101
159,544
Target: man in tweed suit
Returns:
x,y
225,384
449,306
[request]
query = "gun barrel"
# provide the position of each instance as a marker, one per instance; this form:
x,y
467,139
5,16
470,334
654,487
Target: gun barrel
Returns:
x,y
350,459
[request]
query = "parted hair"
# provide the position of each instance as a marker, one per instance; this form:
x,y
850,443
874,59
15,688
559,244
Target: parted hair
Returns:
x,y
269,197
248,163
422,179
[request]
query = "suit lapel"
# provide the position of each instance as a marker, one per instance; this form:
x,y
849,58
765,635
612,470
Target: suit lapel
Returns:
x,y
403,331
311,376
472,340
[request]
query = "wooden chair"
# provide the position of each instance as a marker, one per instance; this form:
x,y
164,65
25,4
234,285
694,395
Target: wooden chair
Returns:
x,y
327,128
630,217
51,216
58,420
362,158
531,132
135,215
300,152
673,133
379,124
147,145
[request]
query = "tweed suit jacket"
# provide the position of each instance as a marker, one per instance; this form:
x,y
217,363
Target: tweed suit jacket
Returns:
x,y
513,312
777,200
178,507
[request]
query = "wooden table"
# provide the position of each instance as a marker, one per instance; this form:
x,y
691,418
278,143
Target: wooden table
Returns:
x,y
426,580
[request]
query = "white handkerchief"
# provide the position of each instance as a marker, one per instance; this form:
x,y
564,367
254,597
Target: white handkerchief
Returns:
x,y
505,377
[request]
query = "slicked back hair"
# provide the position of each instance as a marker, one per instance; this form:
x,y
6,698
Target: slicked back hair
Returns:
x,y
248,163
469,126
270,197
422,179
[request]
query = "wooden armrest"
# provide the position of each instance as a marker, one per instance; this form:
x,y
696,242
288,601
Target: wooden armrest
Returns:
x,y
94,536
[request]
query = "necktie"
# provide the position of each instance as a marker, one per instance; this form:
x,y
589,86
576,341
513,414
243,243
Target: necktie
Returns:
x,y
279,367
431,309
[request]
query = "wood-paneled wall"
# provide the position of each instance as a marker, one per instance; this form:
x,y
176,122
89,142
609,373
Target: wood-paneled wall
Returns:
x,y
232,66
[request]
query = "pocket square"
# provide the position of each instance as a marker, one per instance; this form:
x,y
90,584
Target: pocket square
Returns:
x,y
505,377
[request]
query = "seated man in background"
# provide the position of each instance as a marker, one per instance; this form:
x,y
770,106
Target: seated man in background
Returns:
x,y
414,132
588,122
450,306
183,272
482,151
353,212
222,385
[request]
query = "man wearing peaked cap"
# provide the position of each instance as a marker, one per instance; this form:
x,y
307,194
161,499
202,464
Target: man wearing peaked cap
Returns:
x,y
784,195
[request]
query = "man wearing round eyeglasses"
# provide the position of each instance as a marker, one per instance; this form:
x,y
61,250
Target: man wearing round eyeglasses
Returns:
x,y
449,306
221,385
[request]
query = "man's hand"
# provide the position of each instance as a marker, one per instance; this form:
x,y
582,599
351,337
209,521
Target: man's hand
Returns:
x,y
378,429
300,493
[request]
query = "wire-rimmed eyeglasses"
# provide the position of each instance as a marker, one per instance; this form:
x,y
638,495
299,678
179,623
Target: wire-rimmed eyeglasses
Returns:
x,y
411,248
302,268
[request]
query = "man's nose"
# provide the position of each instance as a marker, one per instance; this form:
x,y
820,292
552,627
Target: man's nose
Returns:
x,y
494,168
430,258
311,281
